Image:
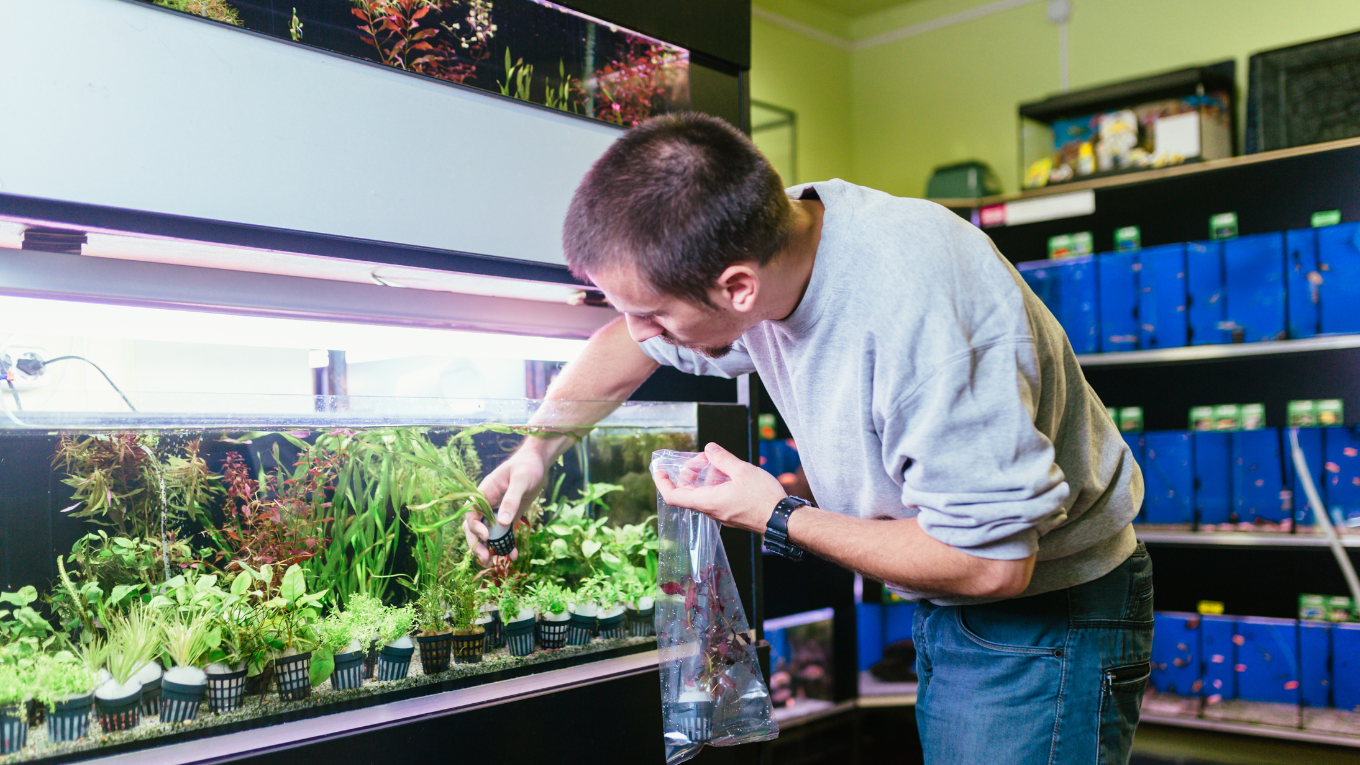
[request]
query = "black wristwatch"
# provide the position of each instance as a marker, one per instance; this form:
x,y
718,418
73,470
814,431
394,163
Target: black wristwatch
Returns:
x,y
777,530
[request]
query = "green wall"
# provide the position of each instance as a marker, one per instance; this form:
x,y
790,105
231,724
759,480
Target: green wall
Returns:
x,y
951,94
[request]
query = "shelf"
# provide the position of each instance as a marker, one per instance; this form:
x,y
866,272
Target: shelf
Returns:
x,y
1240,539
1265,731
1212,352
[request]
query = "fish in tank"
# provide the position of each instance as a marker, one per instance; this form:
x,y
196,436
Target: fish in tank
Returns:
x,y
530,50
173,574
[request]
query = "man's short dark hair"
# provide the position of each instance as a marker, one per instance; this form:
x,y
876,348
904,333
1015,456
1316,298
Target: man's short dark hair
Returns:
x,y
681,197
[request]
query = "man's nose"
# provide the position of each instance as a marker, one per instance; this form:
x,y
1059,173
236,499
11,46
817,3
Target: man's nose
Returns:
x,y
642,329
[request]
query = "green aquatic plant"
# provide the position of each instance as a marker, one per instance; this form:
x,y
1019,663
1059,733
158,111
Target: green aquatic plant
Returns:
x,y
133,640
295,28
23,631
567,95
57,677
16,682
518,78
188,640
217,10
548,597
568,547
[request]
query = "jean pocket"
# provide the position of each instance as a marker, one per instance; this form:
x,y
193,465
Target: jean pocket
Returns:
x,y
1034,635
1121,701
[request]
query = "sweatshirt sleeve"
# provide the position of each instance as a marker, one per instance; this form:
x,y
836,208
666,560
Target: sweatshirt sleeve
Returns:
x,y
737,362
964,448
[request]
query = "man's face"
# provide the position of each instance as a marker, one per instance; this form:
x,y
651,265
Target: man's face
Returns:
x,y
707,330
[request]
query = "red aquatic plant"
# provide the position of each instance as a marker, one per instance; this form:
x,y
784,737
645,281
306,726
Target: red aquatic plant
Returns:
x,y
711,619
278,523
407,35
635,85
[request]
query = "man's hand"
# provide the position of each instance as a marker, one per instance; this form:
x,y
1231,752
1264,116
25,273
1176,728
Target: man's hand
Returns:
x,y
511,487
745,502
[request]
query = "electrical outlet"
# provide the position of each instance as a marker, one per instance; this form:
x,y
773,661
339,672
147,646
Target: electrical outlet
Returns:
x,y
17,363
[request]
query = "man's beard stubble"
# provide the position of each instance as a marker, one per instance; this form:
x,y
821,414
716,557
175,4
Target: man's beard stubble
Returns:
x,y
709,351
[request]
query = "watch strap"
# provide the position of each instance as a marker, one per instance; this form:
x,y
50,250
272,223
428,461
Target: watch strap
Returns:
x,y
777,529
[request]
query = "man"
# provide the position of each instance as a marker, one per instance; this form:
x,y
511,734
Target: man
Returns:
x,y
943,422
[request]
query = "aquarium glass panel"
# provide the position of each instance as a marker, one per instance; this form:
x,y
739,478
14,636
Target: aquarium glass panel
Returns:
x,y
529,50
219,562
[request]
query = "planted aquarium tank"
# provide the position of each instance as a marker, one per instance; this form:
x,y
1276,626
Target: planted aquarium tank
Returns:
x,y
180,566
530,50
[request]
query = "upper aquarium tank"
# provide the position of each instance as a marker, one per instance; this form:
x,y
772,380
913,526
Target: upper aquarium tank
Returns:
x,y
185,565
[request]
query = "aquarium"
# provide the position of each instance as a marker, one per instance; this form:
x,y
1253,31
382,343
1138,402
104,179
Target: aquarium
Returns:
x,y
180,566
530,50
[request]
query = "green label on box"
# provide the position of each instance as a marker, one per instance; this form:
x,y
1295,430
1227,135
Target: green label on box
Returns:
x,y
1326,218
1227,417
1313,608
1127,238
1114,415
1301,414
1223,226
1131,419
1253,416
1329,412
1202,418
1340,609
1083,243
1060,246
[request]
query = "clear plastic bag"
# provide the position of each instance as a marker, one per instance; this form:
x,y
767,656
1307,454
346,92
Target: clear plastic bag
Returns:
x,y
712,691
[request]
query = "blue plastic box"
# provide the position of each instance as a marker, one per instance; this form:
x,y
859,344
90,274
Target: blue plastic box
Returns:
x,y
1138,445
1118,282
1315,674
1162,321
1175,659
1258,476
1068,288
869,633
1169,478
1342,465
1213,477
1310,441
1302,282
1339,266
1267,660
1218,656
897,621
1253,269
1206,306
1346,666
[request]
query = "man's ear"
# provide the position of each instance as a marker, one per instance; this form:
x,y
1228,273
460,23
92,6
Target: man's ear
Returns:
x,y
738,286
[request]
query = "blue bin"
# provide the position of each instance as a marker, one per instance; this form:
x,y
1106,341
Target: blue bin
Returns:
x,y
1169,478
1118,280
1310,441
1206,306
1068,288
1162,321
1339,266
897,621
1253,269
778,457
1267,660
1258,476
1138,445
1302,282
1218,657
1346,666
1315,674
869,633
1175,647
1342,466
1213,477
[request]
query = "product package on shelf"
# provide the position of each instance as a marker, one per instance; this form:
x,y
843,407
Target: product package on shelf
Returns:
x,y
1068,287
1117,274
1169,481
1303,282
1206,306
1258,476
712,691
1213,478
1162,297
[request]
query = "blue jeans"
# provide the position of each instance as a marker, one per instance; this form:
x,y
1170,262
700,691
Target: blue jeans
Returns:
x,y
1052,678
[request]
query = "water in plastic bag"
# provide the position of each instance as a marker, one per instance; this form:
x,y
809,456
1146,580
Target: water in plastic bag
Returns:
x,y
712,691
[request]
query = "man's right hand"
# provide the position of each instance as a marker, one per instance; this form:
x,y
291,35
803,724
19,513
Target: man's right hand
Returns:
x,y
512,487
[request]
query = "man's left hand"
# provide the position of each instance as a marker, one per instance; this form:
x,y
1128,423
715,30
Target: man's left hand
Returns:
x,y
745,502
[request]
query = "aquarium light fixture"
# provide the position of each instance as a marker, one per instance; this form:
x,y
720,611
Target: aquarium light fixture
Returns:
x,y
470,284
45,317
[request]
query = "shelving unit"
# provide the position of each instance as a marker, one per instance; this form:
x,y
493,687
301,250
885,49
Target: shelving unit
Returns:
x,y
1249,729
1212,352
1240,539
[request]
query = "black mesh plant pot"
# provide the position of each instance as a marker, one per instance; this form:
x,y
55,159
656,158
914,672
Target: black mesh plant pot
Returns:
x,y
641,623
119,714
580,629
226,690
293,674
502,545
495,632
434,652
151,698
180,702
37,712
519,637
371,661
394,663
695,720
257,685
349,671
613,627
69,720
13,727
468,649
553,635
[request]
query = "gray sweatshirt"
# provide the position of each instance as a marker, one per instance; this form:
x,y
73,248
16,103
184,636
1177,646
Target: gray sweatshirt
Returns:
x,y
921,378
